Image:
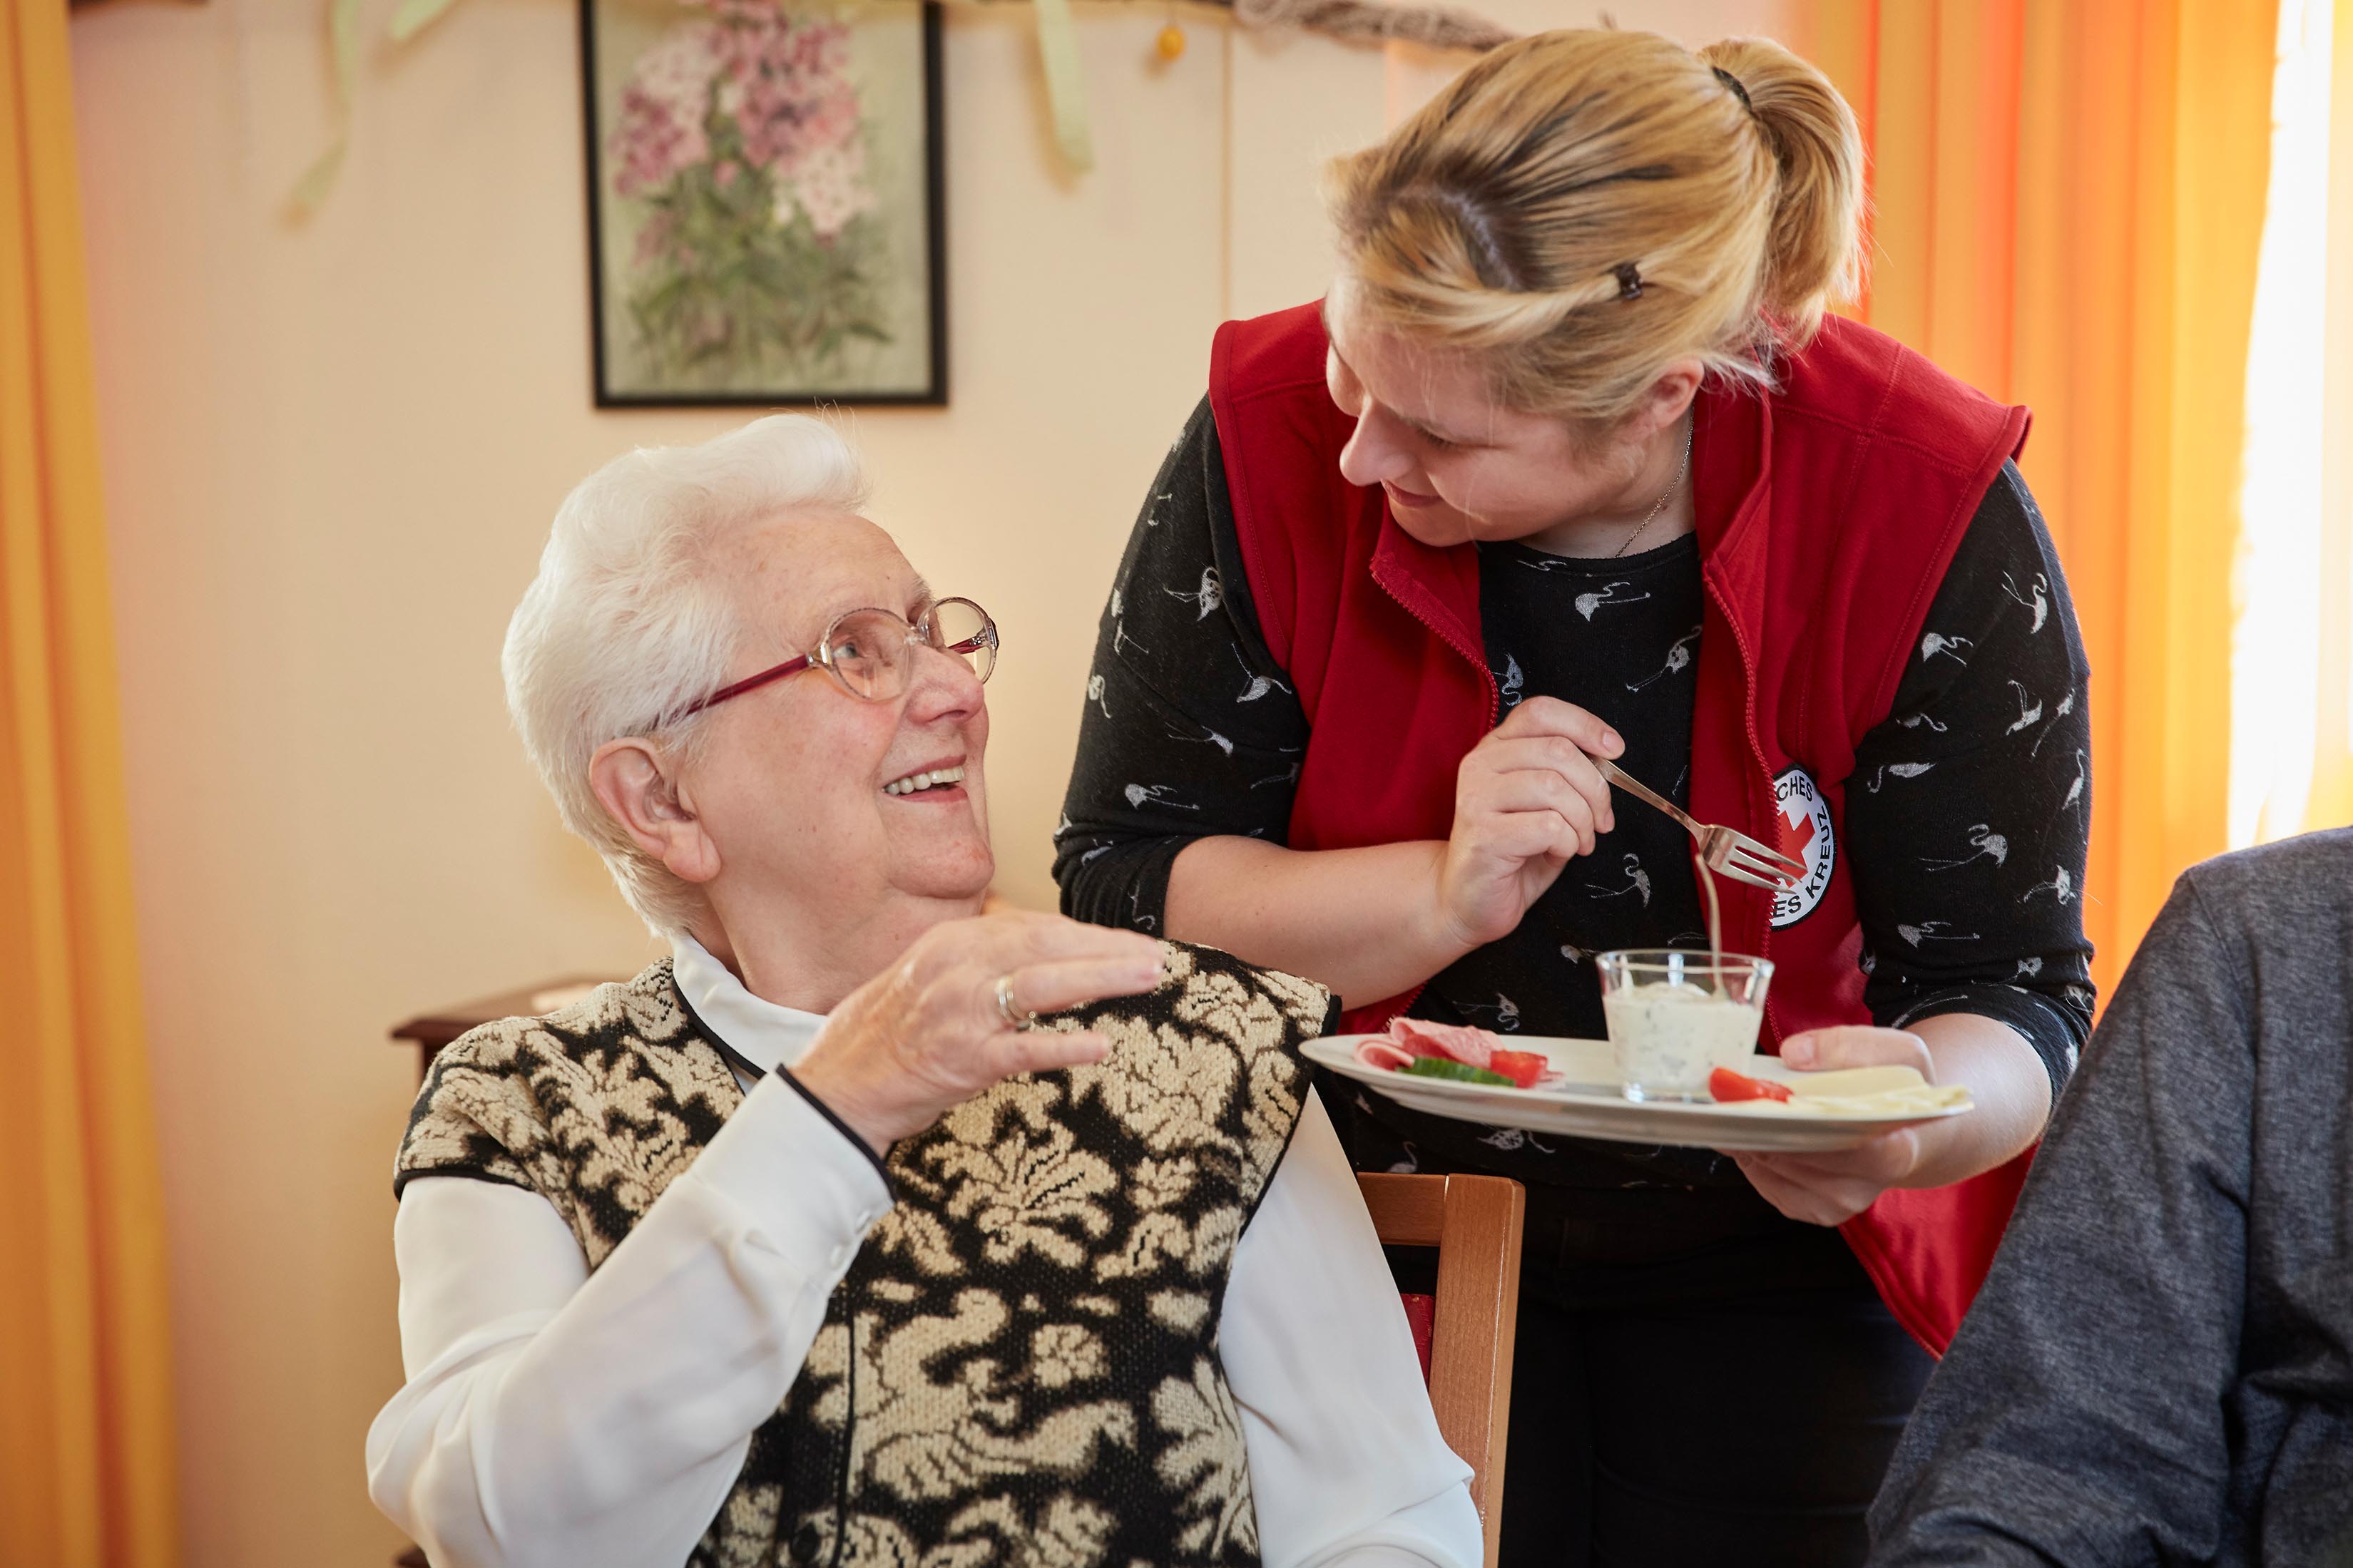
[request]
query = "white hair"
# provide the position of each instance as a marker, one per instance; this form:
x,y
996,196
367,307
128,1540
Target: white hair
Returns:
x,y
627,623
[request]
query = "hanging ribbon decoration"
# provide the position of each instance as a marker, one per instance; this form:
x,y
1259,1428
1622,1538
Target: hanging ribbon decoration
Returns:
x,y
413,16
409,18
1066,86
343,31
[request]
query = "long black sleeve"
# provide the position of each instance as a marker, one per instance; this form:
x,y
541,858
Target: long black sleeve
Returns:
x,y
1191,729
1968,813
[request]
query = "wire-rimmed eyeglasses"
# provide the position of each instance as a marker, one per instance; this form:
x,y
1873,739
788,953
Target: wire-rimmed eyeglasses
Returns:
x,y
871,651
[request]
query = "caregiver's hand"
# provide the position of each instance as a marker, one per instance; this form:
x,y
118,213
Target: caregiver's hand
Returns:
x,y
926,1034
1830,1189
1527,799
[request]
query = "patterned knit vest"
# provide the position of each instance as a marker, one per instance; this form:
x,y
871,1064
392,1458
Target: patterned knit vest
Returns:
x,y
1021,1365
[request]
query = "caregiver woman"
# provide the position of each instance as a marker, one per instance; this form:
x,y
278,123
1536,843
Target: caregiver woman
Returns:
x,y
1570,464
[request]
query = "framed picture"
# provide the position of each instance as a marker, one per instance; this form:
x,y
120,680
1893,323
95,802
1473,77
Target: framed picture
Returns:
x,y
765,210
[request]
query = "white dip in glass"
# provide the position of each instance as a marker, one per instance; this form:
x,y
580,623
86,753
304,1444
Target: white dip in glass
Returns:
x,y
1676,1016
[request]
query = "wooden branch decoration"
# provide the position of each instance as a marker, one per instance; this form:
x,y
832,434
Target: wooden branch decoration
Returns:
x,y
1350,21
1358,21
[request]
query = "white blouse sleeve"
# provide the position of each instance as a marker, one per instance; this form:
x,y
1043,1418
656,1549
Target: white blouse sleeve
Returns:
x,y
551,1416
1346,1464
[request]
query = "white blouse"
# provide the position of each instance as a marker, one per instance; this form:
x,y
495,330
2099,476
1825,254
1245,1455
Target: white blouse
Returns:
x,y
552,1417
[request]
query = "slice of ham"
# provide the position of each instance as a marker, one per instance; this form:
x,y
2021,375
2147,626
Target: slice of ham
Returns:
x,y
1409,1039
1463,1044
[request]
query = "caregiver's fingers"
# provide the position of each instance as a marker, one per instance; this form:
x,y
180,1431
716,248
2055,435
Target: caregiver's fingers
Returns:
x,y
1811,1202
1526,835
1887,1158
1857,1045
1505,794
1552,756
1551,716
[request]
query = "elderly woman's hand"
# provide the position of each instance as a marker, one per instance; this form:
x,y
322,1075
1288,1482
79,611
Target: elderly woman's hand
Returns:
x,y
927,1033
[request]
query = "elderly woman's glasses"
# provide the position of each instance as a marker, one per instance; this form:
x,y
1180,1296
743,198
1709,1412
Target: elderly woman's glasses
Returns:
x,y
869,652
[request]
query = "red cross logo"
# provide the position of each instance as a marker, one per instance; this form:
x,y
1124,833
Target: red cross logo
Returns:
x,y
1805,834
1793,837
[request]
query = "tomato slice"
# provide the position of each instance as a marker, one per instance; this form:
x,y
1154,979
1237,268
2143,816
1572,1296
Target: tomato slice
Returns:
x,y
1523,1068
1724,1084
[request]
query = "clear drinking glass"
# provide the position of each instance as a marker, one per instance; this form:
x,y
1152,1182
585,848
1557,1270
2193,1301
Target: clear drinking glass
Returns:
x,y
1674,1016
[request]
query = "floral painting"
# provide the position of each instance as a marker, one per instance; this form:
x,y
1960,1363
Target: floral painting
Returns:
x,y
764,201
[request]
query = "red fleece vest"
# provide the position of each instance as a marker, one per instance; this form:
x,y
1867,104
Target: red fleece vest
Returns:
x,y
1828,511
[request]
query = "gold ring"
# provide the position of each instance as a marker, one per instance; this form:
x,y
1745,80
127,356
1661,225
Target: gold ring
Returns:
x,y
1014,1018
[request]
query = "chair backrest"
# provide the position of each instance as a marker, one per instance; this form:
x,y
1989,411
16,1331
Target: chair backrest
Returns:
x,y
1474,1223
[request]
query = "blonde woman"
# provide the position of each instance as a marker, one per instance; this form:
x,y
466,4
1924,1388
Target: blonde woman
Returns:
x,y
1571,463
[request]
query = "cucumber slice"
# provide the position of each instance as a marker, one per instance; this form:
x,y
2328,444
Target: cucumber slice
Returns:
x,y
1454,1071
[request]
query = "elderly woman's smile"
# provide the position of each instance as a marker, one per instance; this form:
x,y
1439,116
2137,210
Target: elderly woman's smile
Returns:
x,y
933,784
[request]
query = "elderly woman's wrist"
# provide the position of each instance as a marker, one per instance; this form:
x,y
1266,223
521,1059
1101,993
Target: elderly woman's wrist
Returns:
x,y
838,1094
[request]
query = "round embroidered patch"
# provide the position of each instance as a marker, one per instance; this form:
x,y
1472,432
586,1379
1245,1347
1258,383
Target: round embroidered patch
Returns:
x,y
1804,835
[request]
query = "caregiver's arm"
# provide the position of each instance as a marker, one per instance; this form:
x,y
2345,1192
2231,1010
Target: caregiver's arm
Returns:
x,y
1967,823
2004,1078
551,1416
1188,758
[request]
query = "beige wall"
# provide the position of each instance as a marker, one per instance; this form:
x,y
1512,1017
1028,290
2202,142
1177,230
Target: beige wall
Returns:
x,y
331,453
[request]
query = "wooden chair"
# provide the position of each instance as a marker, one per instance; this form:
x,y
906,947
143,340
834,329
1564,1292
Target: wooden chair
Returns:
x,y
1474,1223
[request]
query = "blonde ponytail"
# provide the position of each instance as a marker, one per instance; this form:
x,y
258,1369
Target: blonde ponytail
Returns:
x,y
1813,256
1582,208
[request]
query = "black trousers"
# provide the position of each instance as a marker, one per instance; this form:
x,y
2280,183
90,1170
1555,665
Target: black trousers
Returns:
x,y
1693,1393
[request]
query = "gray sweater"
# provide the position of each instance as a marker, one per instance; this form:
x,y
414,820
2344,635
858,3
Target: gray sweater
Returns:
x,y
2159,1369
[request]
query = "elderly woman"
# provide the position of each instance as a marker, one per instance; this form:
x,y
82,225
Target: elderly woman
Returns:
x,y
804,1246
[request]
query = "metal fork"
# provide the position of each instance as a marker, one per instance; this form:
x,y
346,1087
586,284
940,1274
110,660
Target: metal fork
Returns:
x,y
1735,855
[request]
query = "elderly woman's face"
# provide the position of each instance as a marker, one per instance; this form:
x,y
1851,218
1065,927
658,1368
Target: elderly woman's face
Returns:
x,y
791,782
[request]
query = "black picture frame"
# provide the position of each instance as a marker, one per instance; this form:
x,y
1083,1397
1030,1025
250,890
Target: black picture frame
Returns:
x,y
934,391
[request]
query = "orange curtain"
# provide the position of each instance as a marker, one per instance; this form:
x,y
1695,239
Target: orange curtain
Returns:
x,y
86,1462
2068,203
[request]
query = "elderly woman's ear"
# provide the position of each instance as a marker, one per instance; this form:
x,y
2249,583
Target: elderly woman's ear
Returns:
x,y
640,790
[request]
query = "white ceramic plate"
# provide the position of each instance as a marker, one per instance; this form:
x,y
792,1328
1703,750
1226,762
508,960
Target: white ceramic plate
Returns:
x,y
1589,1106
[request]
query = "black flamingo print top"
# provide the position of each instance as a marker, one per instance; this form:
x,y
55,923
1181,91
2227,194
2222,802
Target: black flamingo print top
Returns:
x,y
1967,817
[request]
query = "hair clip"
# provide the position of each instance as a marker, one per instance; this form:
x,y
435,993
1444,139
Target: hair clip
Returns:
x,y
1630,281
1738,91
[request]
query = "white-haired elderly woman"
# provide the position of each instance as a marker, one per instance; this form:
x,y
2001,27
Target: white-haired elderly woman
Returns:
x,y
801,1246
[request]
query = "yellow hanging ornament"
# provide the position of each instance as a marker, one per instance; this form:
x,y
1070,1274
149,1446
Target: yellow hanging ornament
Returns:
x,y
1171,42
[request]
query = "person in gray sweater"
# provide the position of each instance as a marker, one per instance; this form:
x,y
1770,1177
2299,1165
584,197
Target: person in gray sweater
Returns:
x,y
2159,1369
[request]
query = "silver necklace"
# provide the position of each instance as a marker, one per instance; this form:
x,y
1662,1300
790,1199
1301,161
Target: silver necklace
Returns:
x,y
1661,505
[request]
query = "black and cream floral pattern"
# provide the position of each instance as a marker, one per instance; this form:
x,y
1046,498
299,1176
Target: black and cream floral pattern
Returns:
x,y
1021,1367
